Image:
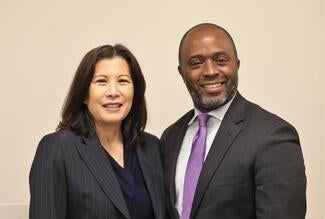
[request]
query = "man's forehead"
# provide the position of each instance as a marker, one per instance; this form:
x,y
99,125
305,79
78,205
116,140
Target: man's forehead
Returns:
x,y
205,34
206,42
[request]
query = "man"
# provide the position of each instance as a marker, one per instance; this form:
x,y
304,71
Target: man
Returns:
x,y
227,157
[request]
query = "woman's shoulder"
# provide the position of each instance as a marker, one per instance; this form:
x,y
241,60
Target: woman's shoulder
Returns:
x,y
151,149
57,140
150,142
63,135
148,137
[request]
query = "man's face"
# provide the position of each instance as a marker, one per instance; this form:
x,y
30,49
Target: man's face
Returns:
x,y
209,67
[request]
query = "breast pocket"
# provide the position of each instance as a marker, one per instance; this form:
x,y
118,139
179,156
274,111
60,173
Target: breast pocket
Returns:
x,y
228,181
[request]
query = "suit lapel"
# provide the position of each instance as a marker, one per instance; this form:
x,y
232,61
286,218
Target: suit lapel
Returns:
x,y
95,158
176,139
149,180
228,131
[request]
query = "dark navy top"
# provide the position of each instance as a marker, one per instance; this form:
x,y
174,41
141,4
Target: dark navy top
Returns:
x,y
133,185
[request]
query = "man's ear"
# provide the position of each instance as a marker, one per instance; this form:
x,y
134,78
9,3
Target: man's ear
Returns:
x,y
180,71
238,63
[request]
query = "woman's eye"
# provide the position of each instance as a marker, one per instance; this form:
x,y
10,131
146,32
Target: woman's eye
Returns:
x,y
100,81
124,81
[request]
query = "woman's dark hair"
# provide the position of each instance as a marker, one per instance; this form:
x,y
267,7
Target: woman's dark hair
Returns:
x,y
75,114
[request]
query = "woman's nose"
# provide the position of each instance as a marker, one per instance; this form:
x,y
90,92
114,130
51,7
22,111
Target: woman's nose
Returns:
x,y
112,90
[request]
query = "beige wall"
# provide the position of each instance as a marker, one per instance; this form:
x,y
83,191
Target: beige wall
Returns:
x,y
281,44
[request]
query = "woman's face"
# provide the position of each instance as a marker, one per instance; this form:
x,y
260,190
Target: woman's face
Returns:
x,y
110,92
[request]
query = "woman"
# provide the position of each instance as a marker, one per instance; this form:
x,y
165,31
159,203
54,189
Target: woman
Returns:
x,y
100,163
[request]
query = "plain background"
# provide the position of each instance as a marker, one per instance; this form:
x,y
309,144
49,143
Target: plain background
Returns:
x,y
281,45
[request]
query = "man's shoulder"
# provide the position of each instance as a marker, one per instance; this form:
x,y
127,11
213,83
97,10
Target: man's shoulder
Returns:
x,y
179,122
257,114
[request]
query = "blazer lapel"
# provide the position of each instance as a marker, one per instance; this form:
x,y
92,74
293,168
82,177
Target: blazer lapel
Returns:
x,y
228,131
150,181
95,158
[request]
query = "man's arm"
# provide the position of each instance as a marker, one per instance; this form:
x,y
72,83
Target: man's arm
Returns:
x,y
280,180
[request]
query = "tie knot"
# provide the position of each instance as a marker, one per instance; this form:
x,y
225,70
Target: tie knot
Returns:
x,y
203,118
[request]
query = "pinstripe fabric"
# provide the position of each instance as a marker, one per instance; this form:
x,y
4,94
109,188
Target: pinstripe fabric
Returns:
x,y
71,177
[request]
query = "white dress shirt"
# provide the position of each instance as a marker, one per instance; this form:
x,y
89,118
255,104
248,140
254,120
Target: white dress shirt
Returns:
x,y
185,150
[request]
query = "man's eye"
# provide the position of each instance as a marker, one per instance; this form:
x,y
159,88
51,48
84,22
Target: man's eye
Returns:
x,y
221,60
195,63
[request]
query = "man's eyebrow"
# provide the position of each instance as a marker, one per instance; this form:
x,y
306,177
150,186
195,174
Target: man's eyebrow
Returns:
x,y
212,55
195,56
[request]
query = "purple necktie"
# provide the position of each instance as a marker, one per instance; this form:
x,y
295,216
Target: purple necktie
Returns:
x,y
194,165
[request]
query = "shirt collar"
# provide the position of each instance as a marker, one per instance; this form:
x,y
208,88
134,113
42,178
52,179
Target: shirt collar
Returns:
x,y
218,113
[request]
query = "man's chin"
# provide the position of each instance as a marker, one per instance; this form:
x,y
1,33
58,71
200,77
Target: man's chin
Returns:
x,y
210,104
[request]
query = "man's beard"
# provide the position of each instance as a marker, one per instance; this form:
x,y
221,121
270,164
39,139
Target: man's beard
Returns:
x,y
206,104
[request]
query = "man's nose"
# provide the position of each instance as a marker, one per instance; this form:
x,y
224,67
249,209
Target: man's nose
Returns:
x,y
210,68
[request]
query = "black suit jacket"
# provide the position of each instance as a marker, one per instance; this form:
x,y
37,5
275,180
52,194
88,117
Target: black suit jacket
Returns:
x,y
254,169
71,177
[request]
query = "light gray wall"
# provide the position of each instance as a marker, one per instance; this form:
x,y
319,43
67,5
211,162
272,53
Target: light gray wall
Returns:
x,y
280,43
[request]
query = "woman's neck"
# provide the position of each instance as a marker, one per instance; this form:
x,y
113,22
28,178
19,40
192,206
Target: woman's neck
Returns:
x,y
111,139
109,135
